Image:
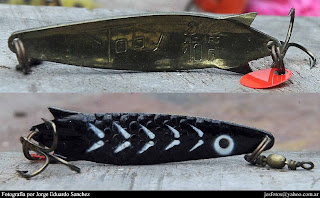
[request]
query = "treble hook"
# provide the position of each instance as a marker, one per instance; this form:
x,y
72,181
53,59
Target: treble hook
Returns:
x,y
28,145
279,49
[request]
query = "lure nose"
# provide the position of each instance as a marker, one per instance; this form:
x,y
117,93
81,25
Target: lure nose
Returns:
x,y
245,138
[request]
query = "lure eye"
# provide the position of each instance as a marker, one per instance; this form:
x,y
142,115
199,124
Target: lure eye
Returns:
x,y
223,145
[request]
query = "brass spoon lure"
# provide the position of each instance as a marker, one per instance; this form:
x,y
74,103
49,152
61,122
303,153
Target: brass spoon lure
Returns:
x,y
148,42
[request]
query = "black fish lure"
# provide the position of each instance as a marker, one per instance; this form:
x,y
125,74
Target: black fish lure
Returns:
x,y
139,138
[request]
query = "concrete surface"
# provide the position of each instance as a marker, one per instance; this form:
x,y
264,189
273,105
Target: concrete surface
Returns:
x,y
228,173
52,77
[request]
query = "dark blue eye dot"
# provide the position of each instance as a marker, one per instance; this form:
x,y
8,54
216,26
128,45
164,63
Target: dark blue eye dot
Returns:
x,y
224,143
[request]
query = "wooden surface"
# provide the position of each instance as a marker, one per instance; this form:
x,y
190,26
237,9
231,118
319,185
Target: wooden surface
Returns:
x,y
53,77
228,173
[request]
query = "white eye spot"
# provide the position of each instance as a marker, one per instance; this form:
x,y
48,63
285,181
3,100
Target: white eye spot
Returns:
x,y
223,145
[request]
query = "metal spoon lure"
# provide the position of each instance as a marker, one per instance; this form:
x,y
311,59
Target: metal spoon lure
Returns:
x,y
146,42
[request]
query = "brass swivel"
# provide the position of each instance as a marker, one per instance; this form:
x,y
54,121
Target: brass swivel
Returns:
x,y
278,161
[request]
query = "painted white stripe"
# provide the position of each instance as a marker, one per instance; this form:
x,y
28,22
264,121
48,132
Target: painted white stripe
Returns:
x,y
172,144
95,146
146,146
123,132
96,131
199,143
122,146
200,133
148,132
174,131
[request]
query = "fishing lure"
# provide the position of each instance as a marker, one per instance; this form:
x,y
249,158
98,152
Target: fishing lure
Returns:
x,y
139,139
153,42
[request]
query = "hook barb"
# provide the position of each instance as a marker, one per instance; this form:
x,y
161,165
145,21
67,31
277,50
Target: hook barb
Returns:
x,y
37,172
313,59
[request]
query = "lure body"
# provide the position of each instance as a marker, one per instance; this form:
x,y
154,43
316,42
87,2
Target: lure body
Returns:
x,y
150,42
137,138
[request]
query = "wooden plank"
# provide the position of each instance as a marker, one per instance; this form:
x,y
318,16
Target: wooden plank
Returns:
x,y
228,173
53,77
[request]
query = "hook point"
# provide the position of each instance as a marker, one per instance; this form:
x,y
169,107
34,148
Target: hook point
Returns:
x,y
292,12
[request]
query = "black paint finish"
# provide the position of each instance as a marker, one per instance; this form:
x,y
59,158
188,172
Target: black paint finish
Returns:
x,y
77,136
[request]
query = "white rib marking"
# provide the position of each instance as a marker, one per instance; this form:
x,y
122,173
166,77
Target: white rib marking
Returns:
x,y
95,146
199,143
172,144
96,131
122,146
174,131
200,133
148,132
146,147
123,132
